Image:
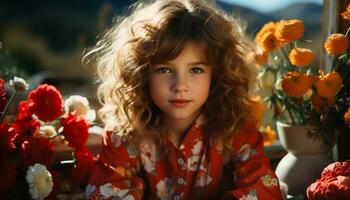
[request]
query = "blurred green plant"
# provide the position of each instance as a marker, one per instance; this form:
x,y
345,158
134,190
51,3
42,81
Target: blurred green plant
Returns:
x,y
9,65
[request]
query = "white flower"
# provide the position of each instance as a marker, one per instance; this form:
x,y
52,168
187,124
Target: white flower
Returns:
x,y
96,130
148,156
250,196
148,163
19,84
109,190
267,79
89,190
197,148
129,197
163,189
40,181
80,104
244,152
48,131
277,60
278,84
192,163
203,179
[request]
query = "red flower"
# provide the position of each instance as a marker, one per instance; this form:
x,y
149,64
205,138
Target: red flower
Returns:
x,y
37,150
25,110
335,169
333,184
25,129
84,163
2,95
24,124
7,138
75,130
7,174
47,102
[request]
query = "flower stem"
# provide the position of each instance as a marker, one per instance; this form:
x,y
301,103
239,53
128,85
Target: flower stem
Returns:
x,y
335,64
50,138
347,32
289,111
283,100
8,105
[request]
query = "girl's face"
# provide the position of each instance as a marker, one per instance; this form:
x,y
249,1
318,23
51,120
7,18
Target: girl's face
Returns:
x,y
181,86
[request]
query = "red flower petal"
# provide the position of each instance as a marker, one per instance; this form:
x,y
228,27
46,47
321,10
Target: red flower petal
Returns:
x,y
25,110
47,102
7,138
333,184
25,129
2,94
84,163
37,150
75,130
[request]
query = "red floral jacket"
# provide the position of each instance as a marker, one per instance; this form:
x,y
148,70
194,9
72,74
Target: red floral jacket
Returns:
x,y
195,170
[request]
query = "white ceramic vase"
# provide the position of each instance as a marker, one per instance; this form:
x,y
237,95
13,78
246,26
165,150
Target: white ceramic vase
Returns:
x,y
305,160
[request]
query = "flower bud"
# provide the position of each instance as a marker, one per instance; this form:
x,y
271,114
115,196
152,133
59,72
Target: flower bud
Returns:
x,y
267,80
19,84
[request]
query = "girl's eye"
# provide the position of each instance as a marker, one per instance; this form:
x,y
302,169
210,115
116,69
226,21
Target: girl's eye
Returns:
x,y
163,70
196,70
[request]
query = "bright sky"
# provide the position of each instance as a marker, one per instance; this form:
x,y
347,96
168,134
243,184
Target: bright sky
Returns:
x,y
268,5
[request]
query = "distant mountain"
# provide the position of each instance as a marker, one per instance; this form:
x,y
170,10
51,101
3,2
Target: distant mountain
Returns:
x,y
308,12
255,20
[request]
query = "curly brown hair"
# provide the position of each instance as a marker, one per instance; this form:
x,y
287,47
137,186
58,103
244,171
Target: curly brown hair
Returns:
x,y
157,31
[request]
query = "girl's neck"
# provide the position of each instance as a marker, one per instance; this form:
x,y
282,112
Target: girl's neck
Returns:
x,y
177,129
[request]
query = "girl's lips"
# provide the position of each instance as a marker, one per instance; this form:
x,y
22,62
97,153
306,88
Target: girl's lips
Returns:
x,y
179,103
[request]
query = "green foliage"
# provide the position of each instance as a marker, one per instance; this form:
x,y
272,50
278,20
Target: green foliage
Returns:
x,y
9,66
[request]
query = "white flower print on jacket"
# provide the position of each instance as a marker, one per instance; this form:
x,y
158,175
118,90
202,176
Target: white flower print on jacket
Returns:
x,y
202,179
89,190
108,190
250,196
148,156
164,190
194,160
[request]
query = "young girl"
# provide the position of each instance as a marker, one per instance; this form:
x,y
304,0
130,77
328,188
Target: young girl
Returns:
x,y
175,102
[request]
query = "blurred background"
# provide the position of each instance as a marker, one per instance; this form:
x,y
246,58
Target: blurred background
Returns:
x,y
51,36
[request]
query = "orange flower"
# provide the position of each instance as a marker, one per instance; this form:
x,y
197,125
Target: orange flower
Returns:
x,y
301,57
269,136
346,14
347,116
295,84
329,85
266,39
289,30
313,79
321,104
336,44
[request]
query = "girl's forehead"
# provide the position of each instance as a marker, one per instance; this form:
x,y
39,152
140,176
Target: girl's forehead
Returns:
x,y
188,48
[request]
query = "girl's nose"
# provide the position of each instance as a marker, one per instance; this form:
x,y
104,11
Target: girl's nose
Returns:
x,y
179,84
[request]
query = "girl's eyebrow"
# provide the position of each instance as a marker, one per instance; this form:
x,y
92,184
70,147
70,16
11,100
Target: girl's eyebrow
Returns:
x,y
199,63
191,63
